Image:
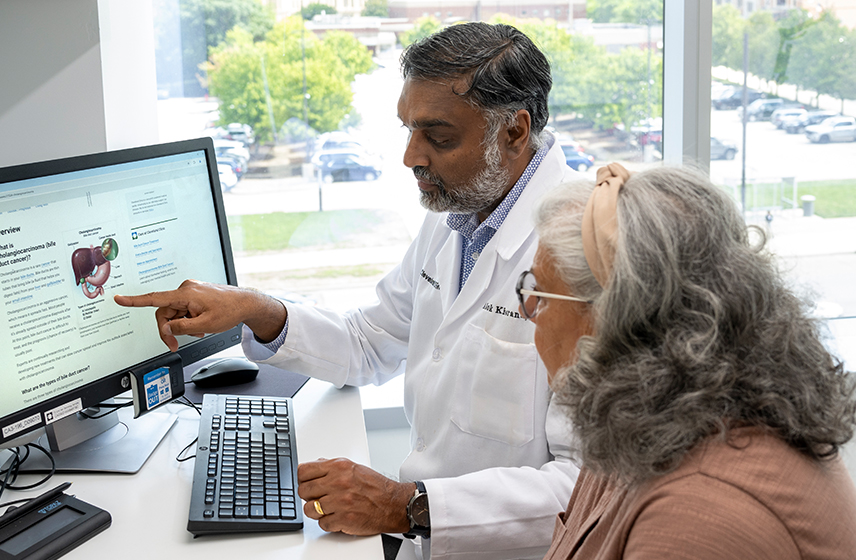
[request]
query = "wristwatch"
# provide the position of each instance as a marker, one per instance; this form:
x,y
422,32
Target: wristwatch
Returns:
x,y
417,514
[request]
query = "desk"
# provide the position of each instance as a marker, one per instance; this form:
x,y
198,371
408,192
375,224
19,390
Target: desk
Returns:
x,y
150,508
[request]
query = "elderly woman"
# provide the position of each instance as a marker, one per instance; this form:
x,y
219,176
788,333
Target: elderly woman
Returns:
x,y
706,411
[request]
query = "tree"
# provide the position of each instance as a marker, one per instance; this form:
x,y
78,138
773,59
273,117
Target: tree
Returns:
x,y
824,57
309,11
728,26
376,8
763,44
791,28
592,83
625,11
204,24
422,28
235,72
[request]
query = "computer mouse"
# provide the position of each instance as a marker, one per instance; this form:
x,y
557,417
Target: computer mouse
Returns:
x,y
228,371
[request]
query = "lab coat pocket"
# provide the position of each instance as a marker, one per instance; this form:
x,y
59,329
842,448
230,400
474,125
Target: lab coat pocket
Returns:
x,y
499,379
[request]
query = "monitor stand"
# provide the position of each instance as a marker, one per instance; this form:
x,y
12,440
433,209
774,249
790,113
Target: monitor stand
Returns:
x,y
123,447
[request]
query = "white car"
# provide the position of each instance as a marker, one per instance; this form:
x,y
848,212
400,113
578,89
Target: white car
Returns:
x,y
833,129
228,179
231,146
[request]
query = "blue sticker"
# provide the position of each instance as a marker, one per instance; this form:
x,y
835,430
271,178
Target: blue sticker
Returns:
x,y
157,387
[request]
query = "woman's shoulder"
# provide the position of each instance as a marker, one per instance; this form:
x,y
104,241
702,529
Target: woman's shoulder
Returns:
x,y
753,481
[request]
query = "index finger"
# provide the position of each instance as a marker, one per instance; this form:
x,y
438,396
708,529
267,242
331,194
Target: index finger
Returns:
x,y
151,299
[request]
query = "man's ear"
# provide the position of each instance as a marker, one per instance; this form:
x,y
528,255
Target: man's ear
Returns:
x,y
518,136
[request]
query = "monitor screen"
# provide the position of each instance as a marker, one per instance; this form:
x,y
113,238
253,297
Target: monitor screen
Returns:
x,y
75,232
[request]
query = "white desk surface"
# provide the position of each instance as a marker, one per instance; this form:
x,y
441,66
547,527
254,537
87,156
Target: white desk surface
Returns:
x,y
150,508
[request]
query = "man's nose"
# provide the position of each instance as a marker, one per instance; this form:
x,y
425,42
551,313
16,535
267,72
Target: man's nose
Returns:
x,y
414,152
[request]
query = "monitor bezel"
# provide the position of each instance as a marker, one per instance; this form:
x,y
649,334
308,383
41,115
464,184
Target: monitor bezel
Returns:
x,y
116,383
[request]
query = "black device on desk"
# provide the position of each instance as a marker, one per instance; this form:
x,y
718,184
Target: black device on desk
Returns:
x,y
245,477
75,232
49,525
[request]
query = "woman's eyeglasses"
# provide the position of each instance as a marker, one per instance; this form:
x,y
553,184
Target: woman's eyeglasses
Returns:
x,y
531,298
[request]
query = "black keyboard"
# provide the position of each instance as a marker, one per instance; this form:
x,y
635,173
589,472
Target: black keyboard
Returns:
x,y
245,479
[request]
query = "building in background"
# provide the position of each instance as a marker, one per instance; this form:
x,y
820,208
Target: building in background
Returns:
x,y
845,10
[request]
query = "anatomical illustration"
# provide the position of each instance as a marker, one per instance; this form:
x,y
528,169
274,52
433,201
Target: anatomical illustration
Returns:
x,y
92,266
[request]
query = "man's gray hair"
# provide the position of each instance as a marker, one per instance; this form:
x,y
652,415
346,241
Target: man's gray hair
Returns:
x,y
503,69
695,333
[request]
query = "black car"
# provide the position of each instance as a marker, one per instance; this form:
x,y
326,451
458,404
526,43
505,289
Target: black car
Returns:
x,y
735,99
810,118
347,166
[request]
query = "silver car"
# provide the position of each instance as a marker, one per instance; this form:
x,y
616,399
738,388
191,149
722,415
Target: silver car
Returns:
x,y
721,150
833,129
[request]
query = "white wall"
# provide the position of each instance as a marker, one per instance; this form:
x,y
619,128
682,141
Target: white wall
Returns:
x,y
68,81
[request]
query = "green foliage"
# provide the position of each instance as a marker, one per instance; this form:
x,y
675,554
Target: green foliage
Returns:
x,y
816,53
728,26
204,24
824,58
422,27
235,72
376,8
625,11
606,88
316,8
763,44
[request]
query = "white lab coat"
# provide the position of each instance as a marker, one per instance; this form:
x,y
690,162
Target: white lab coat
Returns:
x,y
493,454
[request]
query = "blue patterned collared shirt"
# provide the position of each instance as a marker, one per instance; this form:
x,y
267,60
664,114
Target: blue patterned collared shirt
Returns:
x,y
475,235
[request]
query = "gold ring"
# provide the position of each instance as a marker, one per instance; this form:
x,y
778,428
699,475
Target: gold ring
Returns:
x,y
318,509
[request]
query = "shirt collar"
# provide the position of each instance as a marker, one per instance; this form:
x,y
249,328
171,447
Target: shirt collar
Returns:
x,y
468,224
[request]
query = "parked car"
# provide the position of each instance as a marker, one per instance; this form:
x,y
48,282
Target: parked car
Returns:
x,y
347,166
762,109
228,179
735,99
231,147
337,140
721,150
649,131
833,129
783,114
236,132
240,133
810,118
236,162
577,160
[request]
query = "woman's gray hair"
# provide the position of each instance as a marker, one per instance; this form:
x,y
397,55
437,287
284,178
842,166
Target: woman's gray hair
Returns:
x,y
695,333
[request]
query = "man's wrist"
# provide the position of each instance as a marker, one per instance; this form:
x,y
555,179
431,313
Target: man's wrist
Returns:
x,y
268,317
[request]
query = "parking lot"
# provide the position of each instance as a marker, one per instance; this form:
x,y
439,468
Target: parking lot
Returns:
x,y
772,153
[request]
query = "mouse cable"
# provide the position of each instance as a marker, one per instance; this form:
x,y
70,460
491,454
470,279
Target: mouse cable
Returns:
x,y
183,400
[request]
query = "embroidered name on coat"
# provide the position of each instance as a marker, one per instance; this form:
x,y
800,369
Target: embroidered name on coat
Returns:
x,y
430,280
502,310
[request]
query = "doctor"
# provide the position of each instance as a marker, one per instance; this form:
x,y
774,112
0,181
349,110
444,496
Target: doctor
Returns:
x,y
489,469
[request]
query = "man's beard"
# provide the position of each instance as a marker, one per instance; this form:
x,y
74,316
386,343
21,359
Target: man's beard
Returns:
x,y
481,192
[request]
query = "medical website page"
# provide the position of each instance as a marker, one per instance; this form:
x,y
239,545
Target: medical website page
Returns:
x,y
68,243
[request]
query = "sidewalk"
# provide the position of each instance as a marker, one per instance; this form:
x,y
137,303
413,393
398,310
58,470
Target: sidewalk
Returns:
x,y
793,235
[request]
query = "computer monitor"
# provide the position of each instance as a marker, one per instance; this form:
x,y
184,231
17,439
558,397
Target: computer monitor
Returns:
x,y
73,233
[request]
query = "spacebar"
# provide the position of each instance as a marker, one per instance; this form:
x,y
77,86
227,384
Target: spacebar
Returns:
x,y
286,480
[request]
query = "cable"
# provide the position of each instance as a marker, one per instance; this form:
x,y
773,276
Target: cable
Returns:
x,y
187,402
113,407
13,470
